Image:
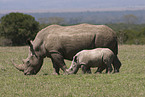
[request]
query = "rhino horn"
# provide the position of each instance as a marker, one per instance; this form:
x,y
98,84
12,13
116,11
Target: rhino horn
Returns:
x,y
19,67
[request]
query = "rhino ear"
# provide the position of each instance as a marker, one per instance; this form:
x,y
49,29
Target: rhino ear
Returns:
x,y
75,58
29,42
31,47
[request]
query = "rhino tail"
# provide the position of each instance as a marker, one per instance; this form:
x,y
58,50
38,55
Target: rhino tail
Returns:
x,y
115,48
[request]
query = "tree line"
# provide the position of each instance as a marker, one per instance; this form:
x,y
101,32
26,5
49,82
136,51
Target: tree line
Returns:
x,y
16,28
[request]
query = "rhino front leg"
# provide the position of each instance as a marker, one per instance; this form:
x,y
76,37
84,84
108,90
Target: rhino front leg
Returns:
x,y
58,62
88,71
85,69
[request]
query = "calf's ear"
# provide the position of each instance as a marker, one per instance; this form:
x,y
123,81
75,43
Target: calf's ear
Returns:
x,y
29,42
75,58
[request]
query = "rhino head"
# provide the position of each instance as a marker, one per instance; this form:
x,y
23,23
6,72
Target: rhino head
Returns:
x,y
32,64
74,66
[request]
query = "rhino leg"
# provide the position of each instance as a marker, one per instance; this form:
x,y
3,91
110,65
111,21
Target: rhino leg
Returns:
x,y
116,64
88,71
100,69
58,62
109,68
85,69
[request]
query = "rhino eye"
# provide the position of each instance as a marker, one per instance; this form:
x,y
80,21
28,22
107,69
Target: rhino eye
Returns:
x,y
71,68
27,62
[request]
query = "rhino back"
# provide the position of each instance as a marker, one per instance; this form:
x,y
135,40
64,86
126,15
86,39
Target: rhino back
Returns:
x,y
81,28
92,58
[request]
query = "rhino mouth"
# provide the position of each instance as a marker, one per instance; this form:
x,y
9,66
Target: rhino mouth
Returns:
x,y
30,73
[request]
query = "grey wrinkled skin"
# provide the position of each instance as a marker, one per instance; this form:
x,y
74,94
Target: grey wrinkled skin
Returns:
x,y
63,42
99,57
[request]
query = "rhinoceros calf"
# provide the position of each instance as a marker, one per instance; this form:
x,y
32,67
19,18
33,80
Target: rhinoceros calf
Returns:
x,y
99,57
63,42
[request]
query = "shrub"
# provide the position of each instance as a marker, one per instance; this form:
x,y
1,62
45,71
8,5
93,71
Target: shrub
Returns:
x,y
18,27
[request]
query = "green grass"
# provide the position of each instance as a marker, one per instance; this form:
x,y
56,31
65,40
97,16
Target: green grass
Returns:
x,y
130,82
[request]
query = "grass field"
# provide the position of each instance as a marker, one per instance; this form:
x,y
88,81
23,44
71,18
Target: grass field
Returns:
x,y
130,82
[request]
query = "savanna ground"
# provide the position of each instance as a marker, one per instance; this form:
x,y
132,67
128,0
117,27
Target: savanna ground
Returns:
x,y
130,82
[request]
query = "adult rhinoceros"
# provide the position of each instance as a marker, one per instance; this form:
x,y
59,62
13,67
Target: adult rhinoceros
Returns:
x,y
63,42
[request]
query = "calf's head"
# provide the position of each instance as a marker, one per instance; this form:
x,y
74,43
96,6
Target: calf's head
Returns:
x,y
74,66
32,64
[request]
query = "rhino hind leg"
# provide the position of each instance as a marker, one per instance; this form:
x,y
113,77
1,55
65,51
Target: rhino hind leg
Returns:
x,y
100,69
109,68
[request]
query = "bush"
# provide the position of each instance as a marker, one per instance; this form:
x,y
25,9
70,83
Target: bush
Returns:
x,y
5,42
18,27
129,33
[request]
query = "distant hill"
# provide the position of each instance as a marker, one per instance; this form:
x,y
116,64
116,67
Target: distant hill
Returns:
x,y
98,17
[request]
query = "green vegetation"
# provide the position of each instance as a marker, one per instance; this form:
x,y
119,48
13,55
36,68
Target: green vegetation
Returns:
x,y
18,27
129,33
130,82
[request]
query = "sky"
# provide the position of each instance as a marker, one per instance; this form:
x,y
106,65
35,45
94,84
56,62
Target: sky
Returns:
x,y
7,6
